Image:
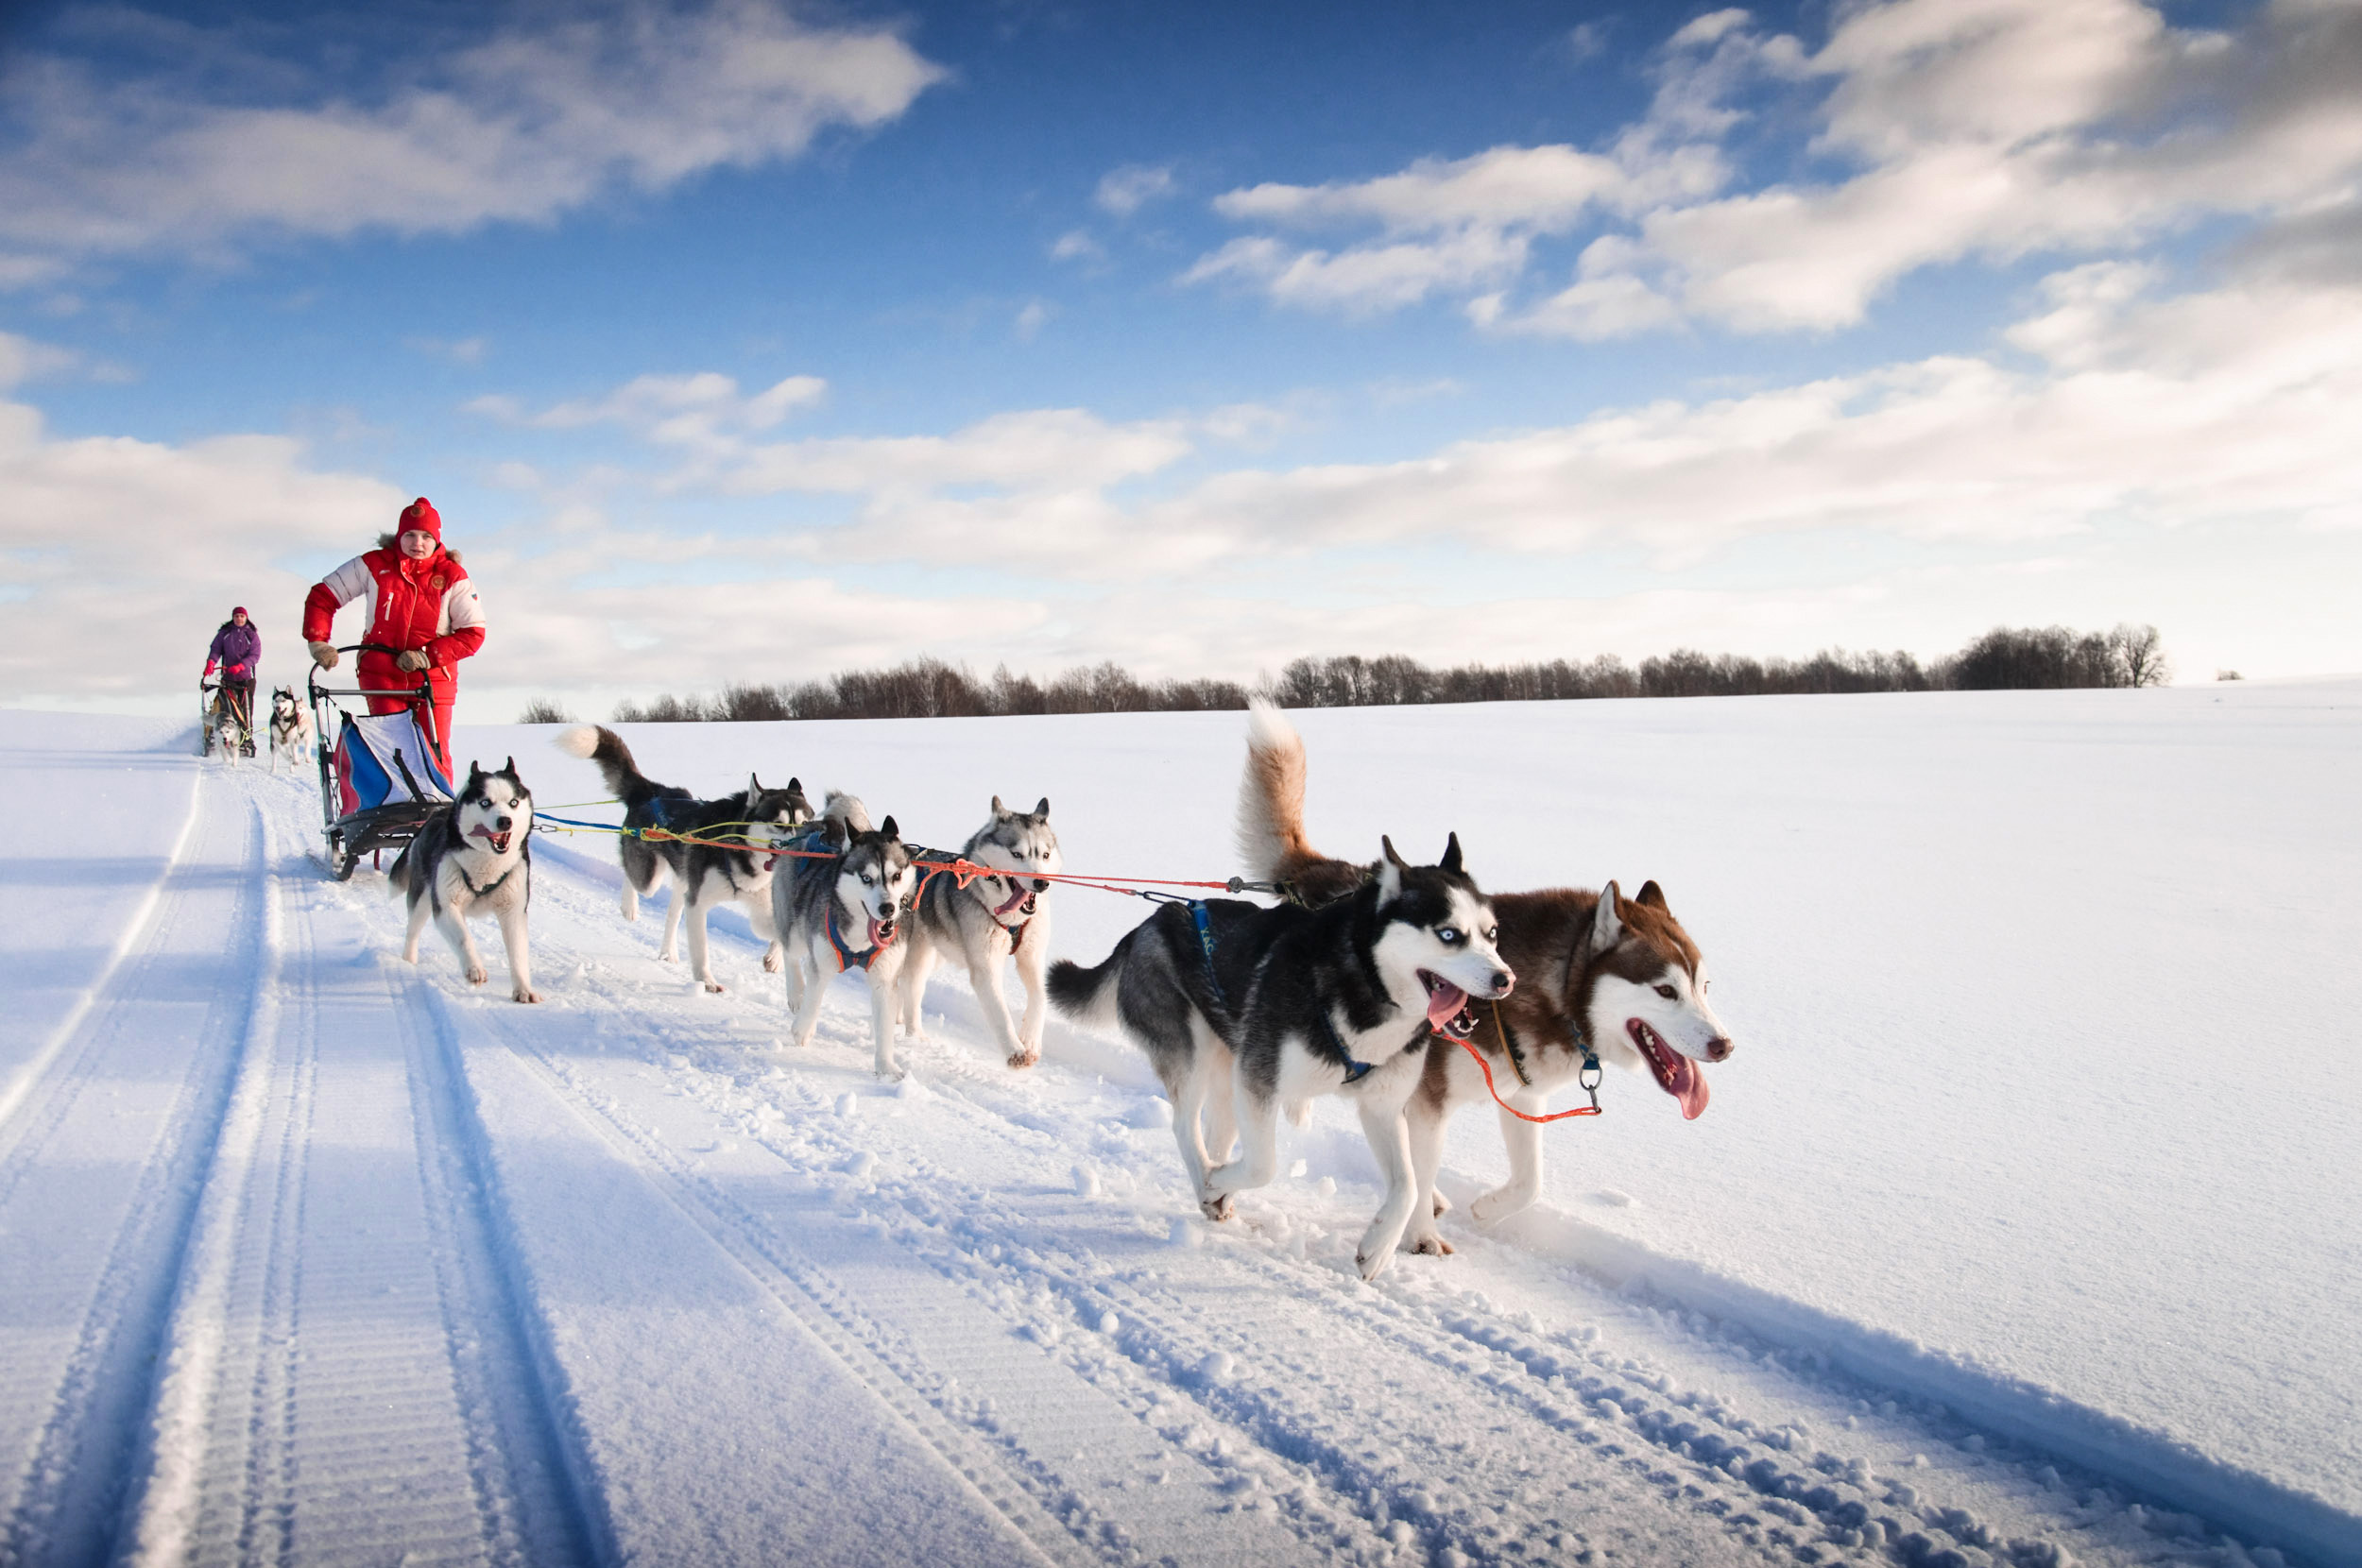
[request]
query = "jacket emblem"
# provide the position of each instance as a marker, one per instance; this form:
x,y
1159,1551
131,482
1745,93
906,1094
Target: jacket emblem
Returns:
x,y
436,583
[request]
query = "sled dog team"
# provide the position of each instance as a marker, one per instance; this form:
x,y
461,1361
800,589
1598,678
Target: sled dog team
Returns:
x,y
1371,981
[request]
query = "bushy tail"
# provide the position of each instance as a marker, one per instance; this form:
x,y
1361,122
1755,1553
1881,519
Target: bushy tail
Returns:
x,y
1086,995
1271,797
847,811
601,745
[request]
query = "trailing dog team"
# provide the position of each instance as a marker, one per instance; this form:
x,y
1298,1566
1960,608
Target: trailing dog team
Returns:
x,y
1403,988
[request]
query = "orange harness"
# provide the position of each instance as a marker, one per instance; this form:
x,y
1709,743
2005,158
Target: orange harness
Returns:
x,y
1589,1076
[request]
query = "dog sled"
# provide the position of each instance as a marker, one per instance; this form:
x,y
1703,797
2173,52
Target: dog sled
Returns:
x,y
225,725
380,776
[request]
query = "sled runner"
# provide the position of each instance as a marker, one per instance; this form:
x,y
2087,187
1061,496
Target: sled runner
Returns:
x,y
380,779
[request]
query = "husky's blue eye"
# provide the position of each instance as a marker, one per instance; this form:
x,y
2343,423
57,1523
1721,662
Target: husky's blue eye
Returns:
x,y
1449,936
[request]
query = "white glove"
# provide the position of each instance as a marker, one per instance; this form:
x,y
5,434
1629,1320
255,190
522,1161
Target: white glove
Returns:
x,y
414,661
323,654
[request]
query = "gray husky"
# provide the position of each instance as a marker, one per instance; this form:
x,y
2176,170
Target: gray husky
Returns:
x,y
988,921
707,874
1244,1011
472,857
842,909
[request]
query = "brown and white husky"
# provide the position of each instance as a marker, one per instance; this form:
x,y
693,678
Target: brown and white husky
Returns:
x,y
1618,976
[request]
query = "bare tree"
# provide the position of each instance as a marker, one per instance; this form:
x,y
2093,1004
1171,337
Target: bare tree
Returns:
x,y
545,710
2140,654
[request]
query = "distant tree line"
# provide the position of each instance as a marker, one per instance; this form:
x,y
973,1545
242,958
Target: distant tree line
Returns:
x,y
2004,658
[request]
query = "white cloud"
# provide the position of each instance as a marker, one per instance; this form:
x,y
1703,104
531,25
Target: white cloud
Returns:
x,y
1076,244
1127,190
2120,429
1031,320
1967,129
465,351
552,111
2218,408
704,409
21,360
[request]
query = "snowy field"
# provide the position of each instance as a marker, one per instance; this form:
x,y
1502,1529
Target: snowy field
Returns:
x,y
2023,1227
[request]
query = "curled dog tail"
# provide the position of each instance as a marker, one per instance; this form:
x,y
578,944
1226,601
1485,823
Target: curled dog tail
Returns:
x,y
1088,996
1270,799
848,812
601,745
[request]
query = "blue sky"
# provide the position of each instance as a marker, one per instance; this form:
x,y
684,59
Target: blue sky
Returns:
x,y
748,341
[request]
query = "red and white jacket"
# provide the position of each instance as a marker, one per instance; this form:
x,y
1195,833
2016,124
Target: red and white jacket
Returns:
x,y
429,605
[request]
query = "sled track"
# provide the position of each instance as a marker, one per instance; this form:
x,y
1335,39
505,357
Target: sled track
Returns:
x,y
279,1333
98,1171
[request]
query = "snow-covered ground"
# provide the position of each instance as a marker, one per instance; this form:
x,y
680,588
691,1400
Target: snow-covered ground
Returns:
x,y
2022,1227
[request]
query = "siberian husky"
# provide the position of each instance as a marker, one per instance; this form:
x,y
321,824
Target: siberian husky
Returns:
x,y
473,856
1617,975
1244,1011
843,910
988,921
290,730
707,873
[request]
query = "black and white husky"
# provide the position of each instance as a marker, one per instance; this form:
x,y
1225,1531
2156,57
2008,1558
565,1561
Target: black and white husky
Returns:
x,y
1245,1011
1607,978
290,730
843,911
474,857
707,873
988,921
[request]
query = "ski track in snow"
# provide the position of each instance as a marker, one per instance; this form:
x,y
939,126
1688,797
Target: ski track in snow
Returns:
x,y
318,1258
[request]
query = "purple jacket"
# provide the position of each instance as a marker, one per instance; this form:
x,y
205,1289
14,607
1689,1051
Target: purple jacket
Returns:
x,y
237,649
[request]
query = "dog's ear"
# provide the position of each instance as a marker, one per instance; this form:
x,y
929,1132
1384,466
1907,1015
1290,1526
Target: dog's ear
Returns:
x,y
794,786
475,773
1390,870
1451,862
1042,810
754,788
1607,927
1651,896
998,809
887,830
509,767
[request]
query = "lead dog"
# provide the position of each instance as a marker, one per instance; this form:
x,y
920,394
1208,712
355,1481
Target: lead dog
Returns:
x,y
986,923
472,857
290,730
1618,975
1267,1008
707,873
841,910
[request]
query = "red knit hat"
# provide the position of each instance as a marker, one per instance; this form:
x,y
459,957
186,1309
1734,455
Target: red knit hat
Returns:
x,y
420,514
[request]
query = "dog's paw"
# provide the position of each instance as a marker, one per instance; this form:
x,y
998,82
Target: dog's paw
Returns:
x,y
1025,1058
1220,1208
1372,1267
714,988
477,975
1497,1206
1427,1244
773,962
524,995
893,1072
1442,1205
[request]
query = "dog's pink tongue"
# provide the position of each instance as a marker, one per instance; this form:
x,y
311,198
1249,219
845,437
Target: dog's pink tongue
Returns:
x,y
877,930
1444,1004
1689,1087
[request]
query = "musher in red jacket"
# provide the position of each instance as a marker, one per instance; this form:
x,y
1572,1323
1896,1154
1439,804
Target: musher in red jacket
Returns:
x,y
421,604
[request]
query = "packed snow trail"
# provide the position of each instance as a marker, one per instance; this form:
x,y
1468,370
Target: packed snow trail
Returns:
x,y
311,1256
